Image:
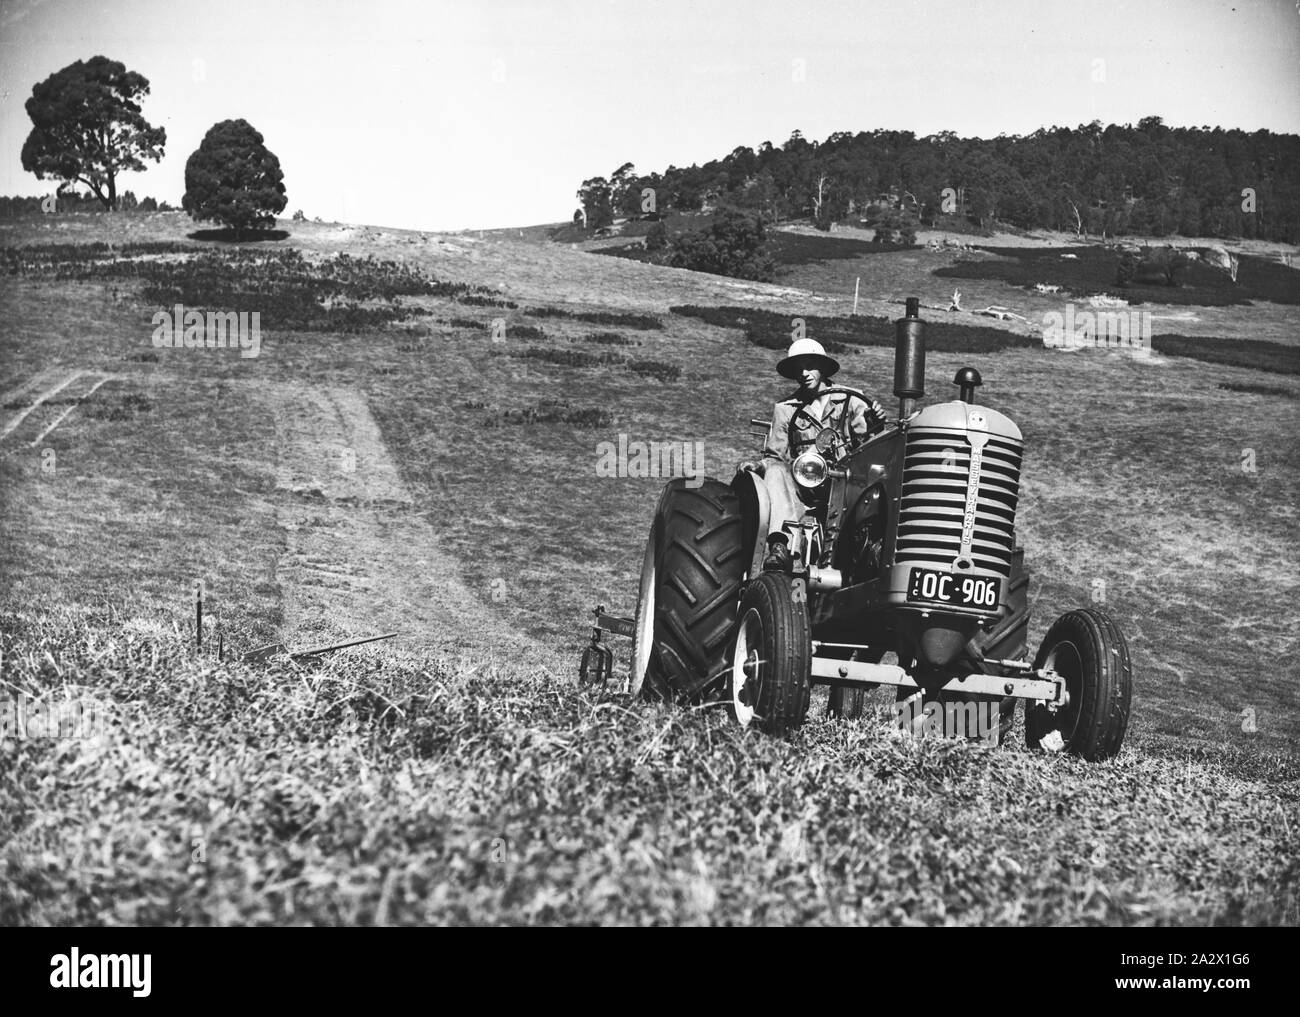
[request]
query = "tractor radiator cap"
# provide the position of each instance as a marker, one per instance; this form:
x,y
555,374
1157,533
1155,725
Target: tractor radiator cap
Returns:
x,y
969,380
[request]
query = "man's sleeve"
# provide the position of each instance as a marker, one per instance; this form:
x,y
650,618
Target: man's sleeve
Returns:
x,y
859,417
777,445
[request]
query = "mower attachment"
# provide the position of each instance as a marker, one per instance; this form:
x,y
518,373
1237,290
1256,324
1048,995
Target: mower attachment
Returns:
x,y
597,655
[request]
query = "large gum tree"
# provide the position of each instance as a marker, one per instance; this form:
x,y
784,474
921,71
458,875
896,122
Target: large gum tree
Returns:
x,y
88,127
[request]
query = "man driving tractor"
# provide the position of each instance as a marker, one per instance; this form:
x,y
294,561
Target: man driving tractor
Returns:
x,y
796,422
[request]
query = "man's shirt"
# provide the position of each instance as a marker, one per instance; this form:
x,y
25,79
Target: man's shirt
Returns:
x,y
826,409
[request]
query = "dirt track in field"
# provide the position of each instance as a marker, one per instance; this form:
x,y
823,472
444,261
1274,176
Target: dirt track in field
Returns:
x,y
360,558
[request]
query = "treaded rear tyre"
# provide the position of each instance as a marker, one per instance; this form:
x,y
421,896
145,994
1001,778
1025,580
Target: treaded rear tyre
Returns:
x,y
687,609
1085,647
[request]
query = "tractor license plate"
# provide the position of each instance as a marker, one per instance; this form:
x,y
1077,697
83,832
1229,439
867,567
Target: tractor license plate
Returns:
x,y
935,587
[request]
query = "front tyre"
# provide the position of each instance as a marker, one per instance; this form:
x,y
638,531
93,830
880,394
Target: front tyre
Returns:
x,y
771,660
1087,649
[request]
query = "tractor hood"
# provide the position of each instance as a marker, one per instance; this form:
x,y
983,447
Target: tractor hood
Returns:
x,y
960,416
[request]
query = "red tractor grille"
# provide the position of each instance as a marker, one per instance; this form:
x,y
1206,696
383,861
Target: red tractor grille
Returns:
x,y
935,471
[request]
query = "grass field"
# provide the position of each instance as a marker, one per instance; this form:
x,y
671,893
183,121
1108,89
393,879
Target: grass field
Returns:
x,y
409,452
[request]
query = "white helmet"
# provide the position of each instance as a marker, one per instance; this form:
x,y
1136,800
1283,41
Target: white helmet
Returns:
x,y
801,348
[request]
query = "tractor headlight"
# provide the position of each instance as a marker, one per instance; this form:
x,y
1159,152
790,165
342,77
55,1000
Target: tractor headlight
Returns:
x,y
809,469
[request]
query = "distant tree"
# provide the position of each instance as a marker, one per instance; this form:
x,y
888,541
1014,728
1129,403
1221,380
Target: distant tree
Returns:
x,y
596,197
625,191
299,216
148,205
735,244
126,202
232,178
657,238
760,196
822,212
88,127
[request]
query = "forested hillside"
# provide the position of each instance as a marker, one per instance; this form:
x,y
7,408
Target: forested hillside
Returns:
x,y
1150,179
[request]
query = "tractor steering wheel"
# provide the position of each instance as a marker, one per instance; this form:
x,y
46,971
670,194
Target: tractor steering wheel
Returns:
x,y
802,411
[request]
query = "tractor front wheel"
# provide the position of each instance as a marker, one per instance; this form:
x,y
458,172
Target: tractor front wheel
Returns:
x,y
1087,649
771,660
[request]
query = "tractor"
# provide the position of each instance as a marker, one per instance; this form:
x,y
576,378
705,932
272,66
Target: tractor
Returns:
x,y
907,549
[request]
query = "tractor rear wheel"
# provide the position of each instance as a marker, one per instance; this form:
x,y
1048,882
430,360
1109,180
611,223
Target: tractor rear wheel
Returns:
x,y
690,587
1088,650
771,658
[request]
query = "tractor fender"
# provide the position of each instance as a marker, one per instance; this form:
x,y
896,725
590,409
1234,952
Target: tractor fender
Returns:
x,y
755,511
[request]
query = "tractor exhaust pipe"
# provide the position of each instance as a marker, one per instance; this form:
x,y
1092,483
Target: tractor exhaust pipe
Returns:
x,y
909,358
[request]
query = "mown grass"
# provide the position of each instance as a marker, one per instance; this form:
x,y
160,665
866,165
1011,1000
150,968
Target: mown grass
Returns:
x,y
396,791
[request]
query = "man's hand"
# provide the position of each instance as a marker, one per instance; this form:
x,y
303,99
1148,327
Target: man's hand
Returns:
x,y
876,409
753,466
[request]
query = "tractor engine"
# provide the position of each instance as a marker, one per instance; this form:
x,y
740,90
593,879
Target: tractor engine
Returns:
x,y
955,511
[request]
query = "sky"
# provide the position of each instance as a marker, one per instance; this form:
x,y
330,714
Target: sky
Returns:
x,y
456,114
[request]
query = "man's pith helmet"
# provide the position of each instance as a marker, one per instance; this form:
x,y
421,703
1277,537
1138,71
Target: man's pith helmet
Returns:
x,y
801,348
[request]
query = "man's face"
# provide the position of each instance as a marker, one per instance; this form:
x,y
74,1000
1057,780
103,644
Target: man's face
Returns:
x,y
810,375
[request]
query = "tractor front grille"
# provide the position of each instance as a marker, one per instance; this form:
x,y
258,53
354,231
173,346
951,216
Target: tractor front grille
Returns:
x,y
935,472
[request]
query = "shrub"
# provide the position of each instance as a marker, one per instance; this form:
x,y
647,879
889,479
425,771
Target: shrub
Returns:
x,y
657,238
733,245
569,358
655,369
895,227
645,322
551,411
610,339
477,301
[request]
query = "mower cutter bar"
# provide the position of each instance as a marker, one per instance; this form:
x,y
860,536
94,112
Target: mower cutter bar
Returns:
x,y
1044,686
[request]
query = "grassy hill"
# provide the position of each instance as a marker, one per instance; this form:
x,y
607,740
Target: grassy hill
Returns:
x,y
415,449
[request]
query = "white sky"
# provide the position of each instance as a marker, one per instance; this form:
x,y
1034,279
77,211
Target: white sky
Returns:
x,y
473,113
